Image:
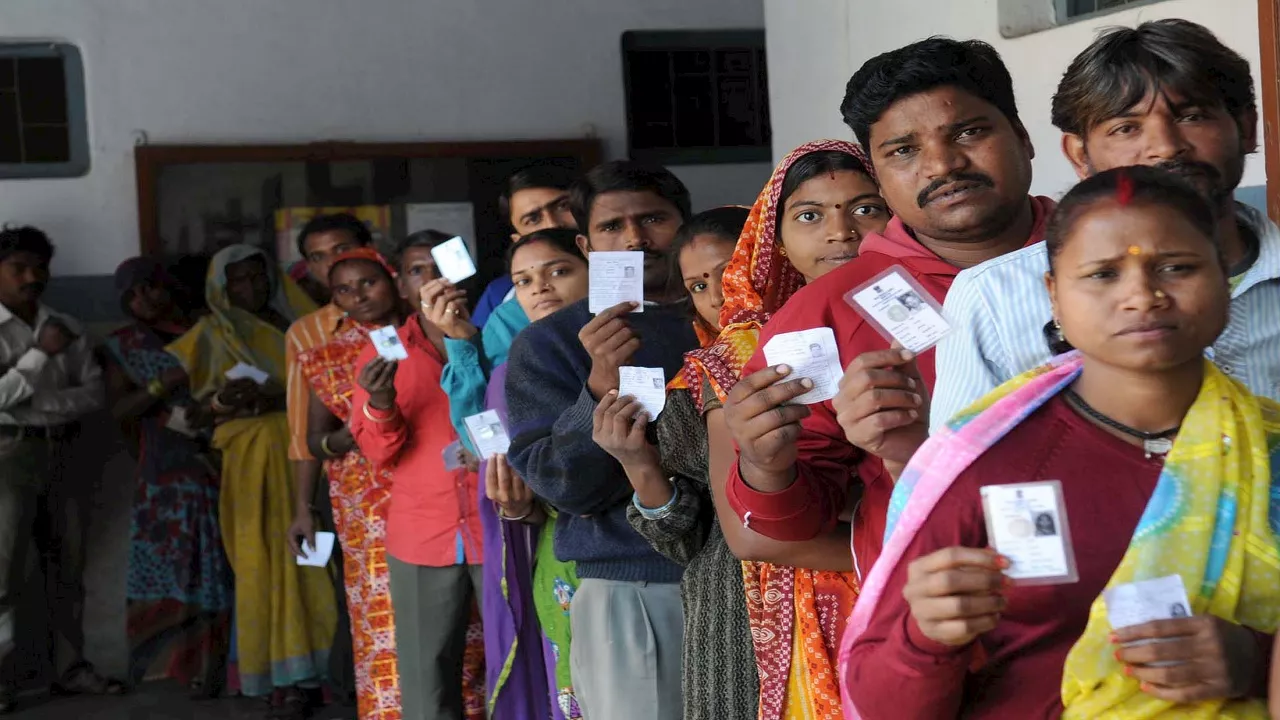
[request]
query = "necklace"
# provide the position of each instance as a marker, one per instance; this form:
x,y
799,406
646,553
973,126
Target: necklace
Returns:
x,y
1154,443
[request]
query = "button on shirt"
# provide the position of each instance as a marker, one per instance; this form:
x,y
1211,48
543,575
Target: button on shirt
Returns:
x,y
434,518
37,389
998,311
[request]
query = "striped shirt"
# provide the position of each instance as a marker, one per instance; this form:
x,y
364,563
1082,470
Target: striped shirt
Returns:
x,y
41,390
311,331
998,311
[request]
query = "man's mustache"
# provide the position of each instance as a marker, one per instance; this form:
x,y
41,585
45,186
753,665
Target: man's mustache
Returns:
x,y
1191,168
926,194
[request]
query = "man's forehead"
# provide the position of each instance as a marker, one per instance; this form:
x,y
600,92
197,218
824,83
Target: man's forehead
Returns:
x,y
929,111
624,203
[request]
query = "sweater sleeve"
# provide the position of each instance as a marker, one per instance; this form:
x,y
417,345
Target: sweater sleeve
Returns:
x,y
549,409
894,670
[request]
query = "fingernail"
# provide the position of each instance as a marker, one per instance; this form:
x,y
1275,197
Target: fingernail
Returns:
x,y
1127,670
1145,687
913,414
907,354
917,399
911,383
1114,639
806,383
783,369
612,392
1117,654
1002,562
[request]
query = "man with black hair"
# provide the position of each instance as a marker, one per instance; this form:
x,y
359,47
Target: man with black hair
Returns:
x,y
1167,94
320,242
940,125
49,379
535,198
626,616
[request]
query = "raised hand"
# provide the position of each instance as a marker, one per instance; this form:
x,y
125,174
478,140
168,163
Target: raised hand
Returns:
x,y
507,489
765,426
54,337
378,378
446,307
618,427
882,405
1201,658
955,593
610,342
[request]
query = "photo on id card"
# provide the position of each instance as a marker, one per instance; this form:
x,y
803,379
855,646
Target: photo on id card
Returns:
x,y
1027,523
900,309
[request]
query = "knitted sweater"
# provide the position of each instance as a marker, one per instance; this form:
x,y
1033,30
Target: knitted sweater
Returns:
x,y
550,416
720,677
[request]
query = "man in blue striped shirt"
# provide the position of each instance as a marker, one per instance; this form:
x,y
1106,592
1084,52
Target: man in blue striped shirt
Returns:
x,y
1166,94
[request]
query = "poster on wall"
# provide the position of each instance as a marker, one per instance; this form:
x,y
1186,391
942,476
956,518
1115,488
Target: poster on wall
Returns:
x,y
456,218
289,222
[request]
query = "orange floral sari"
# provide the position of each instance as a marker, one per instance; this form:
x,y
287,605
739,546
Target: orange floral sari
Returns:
x,y
797,615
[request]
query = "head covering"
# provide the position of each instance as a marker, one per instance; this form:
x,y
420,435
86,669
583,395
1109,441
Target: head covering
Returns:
x,y
229,335
363,252
139,270
757,281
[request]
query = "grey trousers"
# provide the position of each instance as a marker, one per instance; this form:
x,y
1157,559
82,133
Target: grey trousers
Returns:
x,y
41,500
627,649
432,607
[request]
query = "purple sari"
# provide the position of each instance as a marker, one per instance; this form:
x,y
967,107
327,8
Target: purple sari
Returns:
x,y
516,665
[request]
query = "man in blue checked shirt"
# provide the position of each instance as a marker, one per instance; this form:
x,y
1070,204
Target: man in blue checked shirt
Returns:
x,y
1166,94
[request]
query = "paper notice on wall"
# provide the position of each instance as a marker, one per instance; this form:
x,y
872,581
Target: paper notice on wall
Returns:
x,y
449,218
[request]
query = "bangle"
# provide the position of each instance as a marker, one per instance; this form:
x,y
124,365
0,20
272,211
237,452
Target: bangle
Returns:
x,y
324,446
218,406
394,411
502,515
155,388
659,513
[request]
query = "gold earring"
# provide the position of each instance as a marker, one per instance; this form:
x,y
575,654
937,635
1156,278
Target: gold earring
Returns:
x,y
782,251
1160,294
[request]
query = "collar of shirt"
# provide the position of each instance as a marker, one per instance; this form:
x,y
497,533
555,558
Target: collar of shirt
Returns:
x,y
1267,267
898,241
43,313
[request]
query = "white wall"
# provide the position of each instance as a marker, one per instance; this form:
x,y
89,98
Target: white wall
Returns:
x,y
307,70
812,54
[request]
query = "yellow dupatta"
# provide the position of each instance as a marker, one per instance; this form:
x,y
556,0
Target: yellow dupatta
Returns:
x,y
229,335
1214,519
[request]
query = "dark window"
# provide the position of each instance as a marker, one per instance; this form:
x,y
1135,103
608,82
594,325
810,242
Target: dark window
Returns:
x,y
1077,9
42,111
696,97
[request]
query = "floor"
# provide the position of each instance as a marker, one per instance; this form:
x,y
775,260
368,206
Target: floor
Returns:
x,y
153,701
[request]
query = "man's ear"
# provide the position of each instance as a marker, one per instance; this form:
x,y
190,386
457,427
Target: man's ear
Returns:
x,y
584,244
1073,148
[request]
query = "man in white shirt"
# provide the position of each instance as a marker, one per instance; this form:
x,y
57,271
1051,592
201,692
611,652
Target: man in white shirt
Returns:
x,y
49,379
1166,94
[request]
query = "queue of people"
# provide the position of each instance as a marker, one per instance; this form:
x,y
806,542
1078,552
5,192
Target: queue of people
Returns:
x,y
743,552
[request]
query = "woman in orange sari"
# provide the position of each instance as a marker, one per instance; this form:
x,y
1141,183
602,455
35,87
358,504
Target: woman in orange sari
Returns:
x,y
810,219
363,286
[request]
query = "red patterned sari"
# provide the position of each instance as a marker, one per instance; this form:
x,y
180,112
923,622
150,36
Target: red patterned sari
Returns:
x,y
797,615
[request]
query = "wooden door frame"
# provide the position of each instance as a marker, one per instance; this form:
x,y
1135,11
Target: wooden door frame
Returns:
x,y
1269,110
150,160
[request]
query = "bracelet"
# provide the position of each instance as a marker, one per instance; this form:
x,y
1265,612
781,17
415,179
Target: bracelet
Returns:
x,y
659,513
502,515
155,389
394,411
324,446
218,406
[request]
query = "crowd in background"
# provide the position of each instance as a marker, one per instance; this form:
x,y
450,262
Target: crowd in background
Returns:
x,y
742,554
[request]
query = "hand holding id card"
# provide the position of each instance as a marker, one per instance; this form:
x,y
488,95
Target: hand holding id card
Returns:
x,y
811,354
1027,523
647,385
488,436
900,309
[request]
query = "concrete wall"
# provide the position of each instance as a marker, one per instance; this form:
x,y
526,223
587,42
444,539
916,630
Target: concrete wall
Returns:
x,y
818,48
308,70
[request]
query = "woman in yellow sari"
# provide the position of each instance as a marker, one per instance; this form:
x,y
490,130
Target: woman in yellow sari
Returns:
x,y
284,614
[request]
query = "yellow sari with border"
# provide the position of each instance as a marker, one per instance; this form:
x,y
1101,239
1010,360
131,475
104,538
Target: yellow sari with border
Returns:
x,y
285,615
